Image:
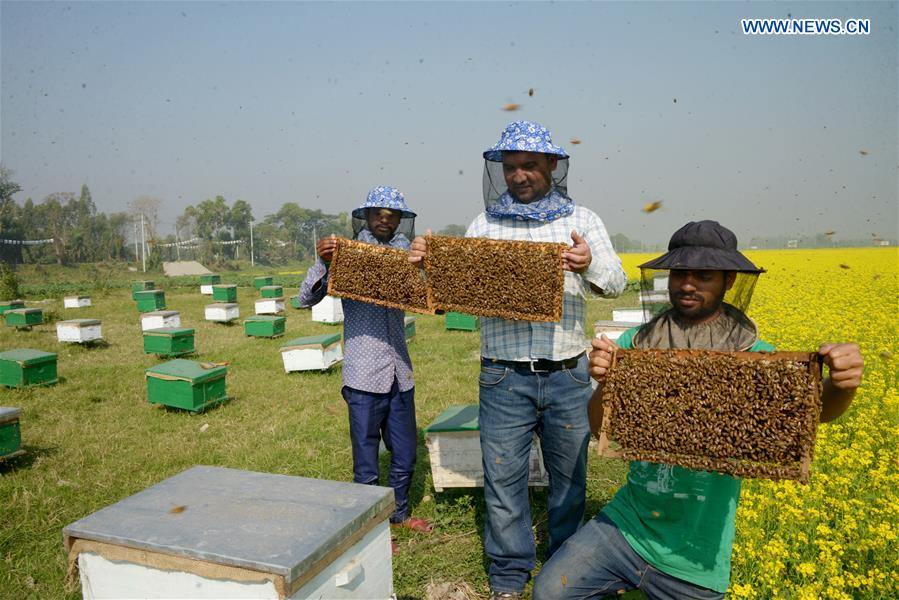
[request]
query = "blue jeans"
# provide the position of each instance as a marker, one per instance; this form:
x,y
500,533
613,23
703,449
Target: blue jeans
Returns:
x,y
597,561
391,416
514,404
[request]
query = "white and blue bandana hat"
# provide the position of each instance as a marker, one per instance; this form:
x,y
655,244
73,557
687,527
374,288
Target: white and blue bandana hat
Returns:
x,y
384,196
525,136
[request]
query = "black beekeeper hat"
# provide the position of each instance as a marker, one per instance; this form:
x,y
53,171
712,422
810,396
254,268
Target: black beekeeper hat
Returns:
x,y
703,246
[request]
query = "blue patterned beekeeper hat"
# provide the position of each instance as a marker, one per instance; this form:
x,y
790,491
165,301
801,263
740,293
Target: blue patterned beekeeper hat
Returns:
x,y
385,196
524,136
521,136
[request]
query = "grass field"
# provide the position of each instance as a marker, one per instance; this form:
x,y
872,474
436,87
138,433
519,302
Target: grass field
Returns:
x,y
93,439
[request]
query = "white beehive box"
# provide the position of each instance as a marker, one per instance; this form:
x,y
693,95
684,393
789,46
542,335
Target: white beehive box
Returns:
x,y
454,448
654,296
159,319
222,312
206,289
313,353
660,282
76,301
270,306
211,532
79,331
329,310
629,315
612,329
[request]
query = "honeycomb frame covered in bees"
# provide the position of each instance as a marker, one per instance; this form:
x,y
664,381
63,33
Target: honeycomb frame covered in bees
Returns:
x,y
496,278
377,274
746,414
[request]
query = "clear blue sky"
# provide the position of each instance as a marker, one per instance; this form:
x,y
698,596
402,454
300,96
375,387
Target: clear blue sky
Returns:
x,y
315,103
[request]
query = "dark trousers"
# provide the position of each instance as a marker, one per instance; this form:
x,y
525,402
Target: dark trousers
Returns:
x,y
390,416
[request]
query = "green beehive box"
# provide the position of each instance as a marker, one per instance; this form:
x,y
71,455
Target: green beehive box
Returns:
x,y
150,300
224,292
295,302
10,436
264,326
186,384
271,291
141,286
22,367
169,341
261,282
210,279
24,317
455,320
409,324
6,305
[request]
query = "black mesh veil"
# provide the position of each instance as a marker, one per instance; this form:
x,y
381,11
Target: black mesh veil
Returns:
x,y
406,226
495,181
655,299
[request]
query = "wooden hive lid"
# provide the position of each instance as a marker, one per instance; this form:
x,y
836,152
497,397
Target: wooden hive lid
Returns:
x,y
456,418
148,293
78,297
272,287
321,341
27,356
81,322
160,313
25,311
265,318
170,331
12,302
186,370
9,414
225,305
225,285
284,525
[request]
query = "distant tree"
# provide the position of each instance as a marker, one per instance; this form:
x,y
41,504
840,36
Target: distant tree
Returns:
x,y
10,225
453,230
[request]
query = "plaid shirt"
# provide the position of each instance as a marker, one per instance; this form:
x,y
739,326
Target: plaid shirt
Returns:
x,y
530,340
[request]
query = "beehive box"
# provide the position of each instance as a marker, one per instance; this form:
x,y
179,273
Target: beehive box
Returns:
x,y
79,331
264,326
212,532
23,367
295,302
224,292
654,296
629,315
747,414
150,300
269,306
76,301
271,291
207,281
660,282
312,353
169,341
160,318
10,434
409,326
495,278
186,384
329,310
612,329
7,305
454,448
141,286
222,312
24,317
377,274
456,320
261,282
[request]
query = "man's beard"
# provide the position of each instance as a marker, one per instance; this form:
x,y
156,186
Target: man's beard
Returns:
x,y
703,313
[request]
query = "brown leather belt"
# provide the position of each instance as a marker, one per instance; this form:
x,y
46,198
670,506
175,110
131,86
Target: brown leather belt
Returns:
x,y
540,365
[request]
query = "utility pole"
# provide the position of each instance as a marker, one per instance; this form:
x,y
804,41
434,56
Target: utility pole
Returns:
x,y
252,259
143,243
135,238
178,247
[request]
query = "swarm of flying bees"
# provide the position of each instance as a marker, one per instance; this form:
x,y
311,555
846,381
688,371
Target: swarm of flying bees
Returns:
x,y
651,207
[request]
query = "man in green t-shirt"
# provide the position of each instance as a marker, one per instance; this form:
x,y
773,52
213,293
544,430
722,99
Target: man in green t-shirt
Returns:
x,y
669,530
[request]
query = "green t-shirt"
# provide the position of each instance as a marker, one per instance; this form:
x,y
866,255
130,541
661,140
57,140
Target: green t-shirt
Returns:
x,y
679,520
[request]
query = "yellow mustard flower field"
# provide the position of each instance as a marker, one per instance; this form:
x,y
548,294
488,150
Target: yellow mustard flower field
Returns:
x,y
838,536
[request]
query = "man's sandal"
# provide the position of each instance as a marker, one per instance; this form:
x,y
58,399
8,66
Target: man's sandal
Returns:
x,y
415,524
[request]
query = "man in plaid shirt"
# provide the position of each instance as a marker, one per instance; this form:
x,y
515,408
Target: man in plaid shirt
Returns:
x,y
534,375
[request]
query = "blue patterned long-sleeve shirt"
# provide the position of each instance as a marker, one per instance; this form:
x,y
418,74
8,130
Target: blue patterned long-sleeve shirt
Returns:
x,y
530,340
374,337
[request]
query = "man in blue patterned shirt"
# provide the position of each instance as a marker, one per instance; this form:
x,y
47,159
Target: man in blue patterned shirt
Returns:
x,y
534,375
377,372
